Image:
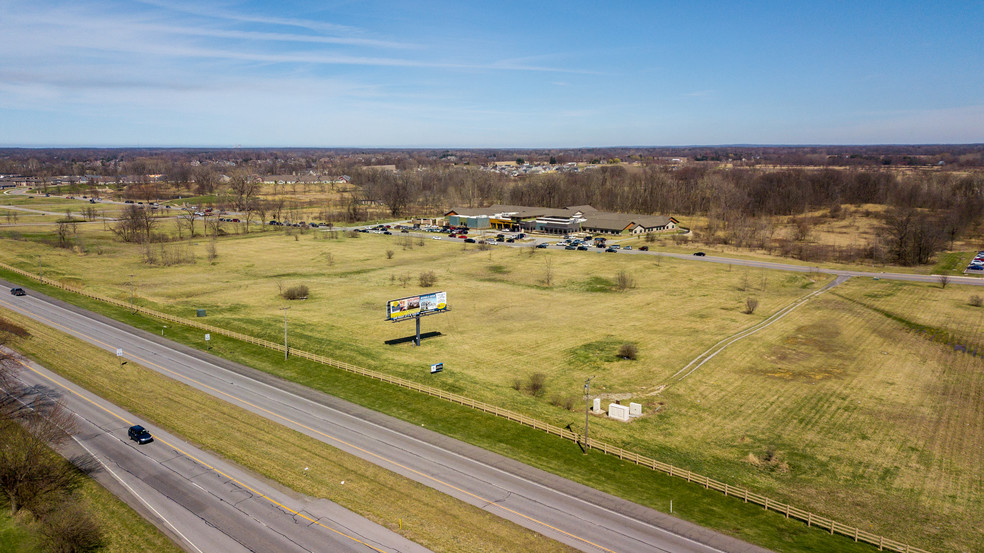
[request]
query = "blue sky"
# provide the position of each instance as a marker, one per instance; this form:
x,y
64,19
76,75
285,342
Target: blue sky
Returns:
x,y
490,74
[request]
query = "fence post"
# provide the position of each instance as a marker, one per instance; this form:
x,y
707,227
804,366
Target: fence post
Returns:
x,y
809,519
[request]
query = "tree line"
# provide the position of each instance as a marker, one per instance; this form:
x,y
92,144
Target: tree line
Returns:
x,y
33,478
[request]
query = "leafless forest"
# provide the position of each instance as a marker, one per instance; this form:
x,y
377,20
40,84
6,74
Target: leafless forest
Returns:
x,y
927,197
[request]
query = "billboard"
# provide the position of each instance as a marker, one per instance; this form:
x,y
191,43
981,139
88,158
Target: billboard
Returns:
x,y
413,306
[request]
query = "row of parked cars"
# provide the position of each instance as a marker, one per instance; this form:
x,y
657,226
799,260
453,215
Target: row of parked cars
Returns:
x,y
978,263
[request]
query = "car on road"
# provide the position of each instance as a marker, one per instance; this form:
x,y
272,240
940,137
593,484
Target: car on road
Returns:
x,y
470,240
611,250
570,247
139,434
18,292
541,245
644,248
700,254
627,248
582,248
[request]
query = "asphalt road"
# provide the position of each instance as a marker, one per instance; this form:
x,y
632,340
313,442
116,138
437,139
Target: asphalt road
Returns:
x,y
560,509
202,501
933,279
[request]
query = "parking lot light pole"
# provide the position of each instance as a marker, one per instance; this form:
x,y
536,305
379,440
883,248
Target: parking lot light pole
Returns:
x,y
587,408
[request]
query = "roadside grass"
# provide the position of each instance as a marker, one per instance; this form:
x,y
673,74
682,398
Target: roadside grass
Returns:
x,y
124,530
15,538
429,517
952,263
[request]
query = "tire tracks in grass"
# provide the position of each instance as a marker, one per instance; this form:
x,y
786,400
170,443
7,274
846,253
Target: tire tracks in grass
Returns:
x,y
717,348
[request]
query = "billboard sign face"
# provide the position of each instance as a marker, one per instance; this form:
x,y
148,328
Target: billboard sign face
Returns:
x,y
413,306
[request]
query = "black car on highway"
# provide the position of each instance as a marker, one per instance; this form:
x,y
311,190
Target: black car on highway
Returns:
x,y
700,254
18,292
140,435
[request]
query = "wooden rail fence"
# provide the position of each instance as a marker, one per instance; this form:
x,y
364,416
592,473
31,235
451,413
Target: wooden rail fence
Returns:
x,y
744,494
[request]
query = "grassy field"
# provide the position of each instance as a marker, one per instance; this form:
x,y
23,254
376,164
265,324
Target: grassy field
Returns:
x,y
771,412
132,390
846,409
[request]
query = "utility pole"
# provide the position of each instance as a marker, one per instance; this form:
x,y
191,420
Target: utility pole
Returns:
x,y
286,349
131,294
587,408
40,277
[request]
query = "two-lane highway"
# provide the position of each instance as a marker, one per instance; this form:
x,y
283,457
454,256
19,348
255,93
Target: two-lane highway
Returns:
x,y
558,508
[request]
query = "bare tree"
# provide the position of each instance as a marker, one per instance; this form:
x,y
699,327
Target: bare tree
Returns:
x,y
548,271
205,180
29,472
134,224
187,218
244,193
943,280
751,304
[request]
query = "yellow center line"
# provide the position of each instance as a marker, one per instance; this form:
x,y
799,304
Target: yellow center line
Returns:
x,y
338,440
199,461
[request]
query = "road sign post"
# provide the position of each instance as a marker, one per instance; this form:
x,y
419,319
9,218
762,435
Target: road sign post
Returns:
x,y
208,337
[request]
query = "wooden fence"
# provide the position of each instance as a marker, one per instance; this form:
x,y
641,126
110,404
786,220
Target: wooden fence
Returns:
x,y
743,494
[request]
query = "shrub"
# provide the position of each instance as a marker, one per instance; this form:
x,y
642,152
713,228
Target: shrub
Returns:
x,y
628,351
624,281
536,384
299,292
976,301
565,401
427,279
750,305
389,254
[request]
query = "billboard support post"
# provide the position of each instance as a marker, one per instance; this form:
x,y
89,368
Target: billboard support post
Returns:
x,y
417,340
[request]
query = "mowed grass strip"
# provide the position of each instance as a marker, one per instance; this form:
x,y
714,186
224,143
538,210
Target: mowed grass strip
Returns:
x,y
429,517
641,485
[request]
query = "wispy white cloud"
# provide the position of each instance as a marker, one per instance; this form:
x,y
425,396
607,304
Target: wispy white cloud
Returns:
x,y
229,15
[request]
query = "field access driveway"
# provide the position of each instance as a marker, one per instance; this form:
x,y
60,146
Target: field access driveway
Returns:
x,y
582,517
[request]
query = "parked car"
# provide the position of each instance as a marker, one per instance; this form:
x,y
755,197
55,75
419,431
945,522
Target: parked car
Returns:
x,y
627,248
470,240
541,245
570,247
611,250
139,434
700,254
970,268
644,248
18,292
582,248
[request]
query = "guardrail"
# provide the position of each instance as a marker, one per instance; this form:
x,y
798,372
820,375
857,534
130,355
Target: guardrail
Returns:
x,y
744,494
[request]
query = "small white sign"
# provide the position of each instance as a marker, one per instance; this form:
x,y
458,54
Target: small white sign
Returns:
x,y
119,352
208,337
